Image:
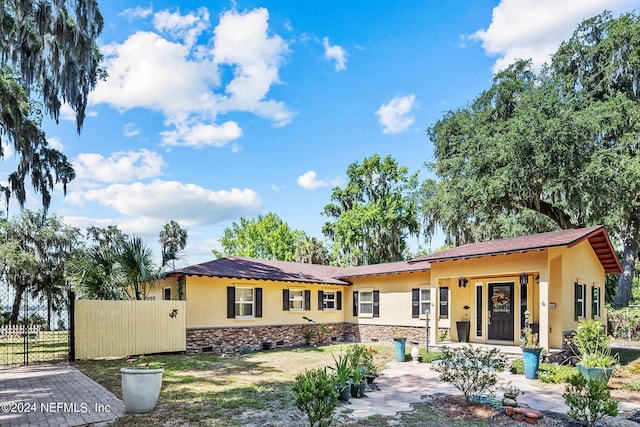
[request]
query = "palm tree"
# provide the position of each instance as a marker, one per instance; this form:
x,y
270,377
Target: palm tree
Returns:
x,y
173,239
311,250
135,267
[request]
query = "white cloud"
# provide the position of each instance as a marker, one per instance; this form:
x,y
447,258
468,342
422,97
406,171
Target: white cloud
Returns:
x,y
309,181
130,130
242,40
523,29
335,53
119,167
139,77
183,79
55,143
185,27
202,134
186,203
136,12
395,116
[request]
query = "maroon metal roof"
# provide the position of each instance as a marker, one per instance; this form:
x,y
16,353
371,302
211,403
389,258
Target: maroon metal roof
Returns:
x,y
597,237
263,269
380,269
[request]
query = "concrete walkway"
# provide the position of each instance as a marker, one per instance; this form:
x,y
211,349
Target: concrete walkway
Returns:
x,y
404,383
54,395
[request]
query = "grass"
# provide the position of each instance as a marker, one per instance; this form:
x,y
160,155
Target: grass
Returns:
x,y
255,390
47,346
224,391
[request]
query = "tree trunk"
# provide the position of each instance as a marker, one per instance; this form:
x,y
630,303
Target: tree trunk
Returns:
x,y
629,255
15,309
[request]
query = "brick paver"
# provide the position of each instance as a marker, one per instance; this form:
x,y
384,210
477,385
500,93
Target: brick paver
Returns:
x,y
54,395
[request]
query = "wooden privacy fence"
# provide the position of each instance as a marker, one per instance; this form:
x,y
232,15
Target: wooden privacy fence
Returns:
x,y
124,328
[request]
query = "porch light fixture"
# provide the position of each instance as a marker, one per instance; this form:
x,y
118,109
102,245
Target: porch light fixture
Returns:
x,y
524,279
462,282
537,279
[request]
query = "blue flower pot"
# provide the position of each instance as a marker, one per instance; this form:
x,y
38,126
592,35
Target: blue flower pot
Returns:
x,y
531,356
399,344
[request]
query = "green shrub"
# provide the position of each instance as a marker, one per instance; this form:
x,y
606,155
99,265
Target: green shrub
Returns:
x,y
431,356
316,396
591,338
552,373
362,356
549,373
588,401
517,367
471,370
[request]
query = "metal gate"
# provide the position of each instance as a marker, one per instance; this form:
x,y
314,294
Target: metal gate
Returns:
x,y
37,330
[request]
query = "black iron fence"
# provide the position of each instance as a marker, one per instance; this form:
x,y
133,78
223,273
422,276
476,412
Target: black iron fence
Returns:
x,y
34,328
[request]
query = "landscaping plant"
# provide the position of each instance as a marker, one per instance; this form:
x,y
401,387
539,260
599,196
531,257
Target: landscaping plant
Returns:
x,y
316,396
471,370
363,356
588,400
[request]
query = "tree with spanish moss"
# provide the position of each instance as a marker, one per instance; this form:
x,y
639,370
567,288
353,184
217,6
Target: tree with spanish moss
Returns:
x,y
550,149
48,58
374,214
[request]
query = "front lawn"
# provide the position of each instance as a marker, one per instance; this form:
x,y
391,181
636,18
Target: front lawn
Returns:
x,y
251,389
255,390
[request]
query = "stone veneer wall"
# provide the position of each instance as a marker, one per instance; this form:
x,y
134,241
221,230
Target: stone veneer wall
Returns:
x,y
235,339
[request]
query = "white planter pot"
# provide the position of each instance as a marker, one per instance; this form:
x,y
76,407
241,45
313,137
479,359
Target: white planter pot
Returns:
x,y
140,389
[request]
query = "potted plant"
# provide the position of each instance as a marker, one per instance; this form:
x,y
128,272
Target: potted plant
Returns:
x,y
358,384
593,345
399,343
141,383
596,366
510,396
343,372
530,353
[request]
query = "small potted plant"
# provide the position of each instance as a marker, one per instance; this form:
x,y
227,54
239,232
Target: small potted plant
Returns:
x,y
593,345
343,372
141,383
530,353
358,385
399,342
510,396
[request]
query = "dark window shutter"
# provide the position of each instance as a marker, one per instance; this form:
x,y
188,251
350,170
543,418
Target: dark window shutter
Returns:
x,y
376,303
231,302
576,303
444,303
285,299
320,300
355,303
258,297
339,300
307,300
415,303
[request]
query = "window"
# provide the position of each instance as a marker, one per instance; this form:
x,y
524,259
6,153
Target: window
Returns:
x,y
579,300
329,300
444,302
421,300
167,294
366,303
296,299
244,302
595,301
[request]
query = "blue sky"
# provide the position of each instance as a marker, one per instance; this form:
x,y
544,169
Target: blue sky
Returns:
x,y
213,111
